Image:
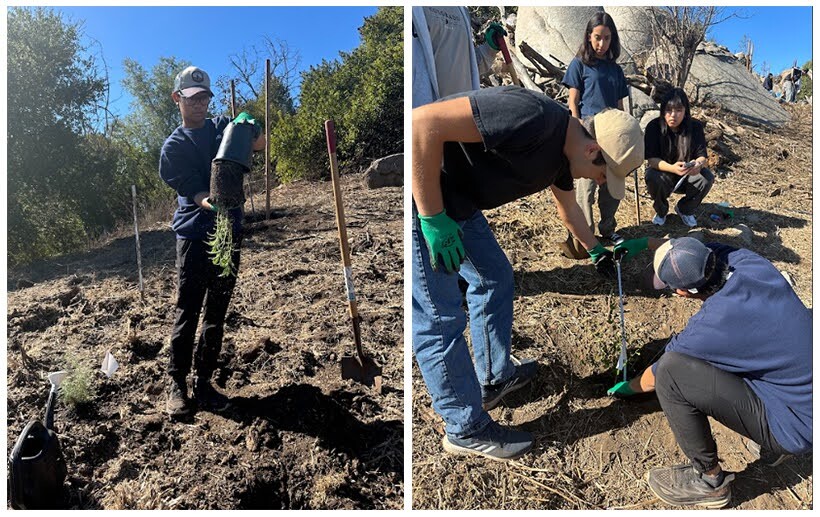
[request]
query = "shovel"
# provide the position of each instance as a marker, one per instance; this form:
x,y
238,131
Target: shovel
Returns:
x,y
361,368
501,43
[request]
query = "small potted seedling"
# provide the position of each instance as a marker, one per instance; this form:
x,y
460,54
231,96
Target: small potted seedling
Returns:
x,y
232,161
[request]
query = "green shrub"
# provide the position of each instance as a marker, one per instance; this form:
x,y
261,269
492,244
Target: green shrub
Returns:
x,y
78,387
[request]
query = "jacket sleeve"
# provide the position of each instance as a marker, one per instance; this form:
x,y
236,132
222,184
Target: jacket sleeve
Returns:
x,y
176,170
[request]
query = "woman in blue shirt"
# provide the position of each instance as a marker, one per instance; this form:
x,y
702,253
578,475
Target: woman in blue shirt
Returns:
x,y
596,82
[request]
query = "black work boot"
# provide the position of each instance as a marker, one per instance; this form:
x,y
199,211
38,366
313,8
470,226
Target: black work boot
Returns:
x,y
207,397
177,403
683,485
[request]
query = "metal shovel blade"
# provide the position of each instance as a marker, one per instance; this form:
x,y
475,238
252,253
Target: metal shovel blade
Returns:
x,y
365,371
56,378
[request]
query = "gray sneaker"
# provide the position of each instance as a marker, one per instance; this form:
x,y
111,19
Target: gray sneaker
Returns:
x,y
682,485
494,441
524,373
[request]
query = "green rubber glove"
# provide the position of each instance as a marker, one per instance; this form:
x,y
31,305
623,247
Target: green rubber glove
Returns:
x,y
214,207
621,389
604,263
632,247
244,118
489,34
443,236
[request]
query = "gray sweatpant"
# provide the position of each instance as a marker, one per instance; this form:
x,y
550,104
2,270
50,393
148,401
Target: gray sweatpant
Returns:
x,y
660,185
585,196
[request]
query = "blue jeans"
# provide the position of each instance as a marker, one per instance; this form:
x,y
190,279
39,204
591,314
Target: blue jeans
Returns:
x,y
439,320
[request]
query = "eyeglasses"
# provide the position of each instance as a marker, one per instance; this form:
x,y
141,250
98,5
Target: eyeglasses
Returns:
x,y
200,100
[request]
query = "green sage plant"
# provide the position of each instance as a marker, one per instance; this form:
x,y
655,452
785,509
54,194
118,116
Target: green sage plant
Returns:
x,y
78,387
221,244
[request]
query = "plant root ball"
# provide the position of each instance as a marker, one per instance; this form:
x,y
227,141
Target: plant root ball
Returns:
x,y
226,184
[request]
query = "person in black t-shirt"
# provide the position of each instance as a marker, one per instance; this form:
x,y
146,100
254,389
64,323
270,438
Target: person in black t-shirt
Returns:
x,y
676,148
479,150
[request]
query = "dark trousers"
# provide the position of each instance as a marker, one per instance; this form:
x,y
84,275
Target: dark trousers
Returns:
x,y
690,389
660,185
198,282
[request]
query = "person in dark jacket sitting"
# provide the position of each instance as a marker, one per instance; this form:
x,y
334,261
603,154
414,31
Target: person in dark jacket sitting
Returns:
x,y
675,150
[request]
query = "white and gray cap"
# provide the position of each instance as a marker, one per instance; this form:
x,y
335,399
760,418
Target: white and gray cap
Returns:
x,y
191,81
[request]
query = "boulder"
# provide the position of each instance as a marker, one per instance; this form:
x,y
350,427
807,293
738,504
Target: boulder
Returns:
x,y
386,172
553,30
718,78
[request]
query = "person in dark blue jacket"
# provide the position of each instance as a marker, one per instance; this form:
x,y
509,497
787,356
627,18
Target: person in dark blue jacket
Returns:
x,y
185,165
744,359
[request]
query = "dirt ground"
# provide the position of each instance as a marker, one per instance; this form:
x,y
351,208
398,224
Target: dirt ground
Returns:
x,y
298,436
592,451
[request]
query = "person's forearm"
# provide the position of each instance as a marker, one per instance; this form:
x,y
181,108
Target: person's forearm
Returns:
x,y
428,150
200,197
661,165
573,218
653,243
573,102
645,383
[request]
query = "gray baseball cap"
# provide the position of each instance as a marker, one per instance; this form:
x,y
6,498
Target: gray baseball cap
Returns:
x,y
682,263
191,81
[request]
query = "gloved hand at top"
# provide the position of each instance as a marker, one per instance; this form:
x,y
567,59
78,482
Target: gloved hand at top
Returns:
x,y
244,118
489,34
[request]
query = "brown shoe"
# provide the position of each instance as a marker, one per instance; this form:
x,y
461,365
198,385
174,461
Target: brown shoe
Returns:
x,y
177,403
573,249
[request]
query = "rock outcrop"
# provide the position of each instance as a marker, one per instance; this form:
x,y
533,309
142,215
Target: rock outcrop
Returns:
x,y
386,172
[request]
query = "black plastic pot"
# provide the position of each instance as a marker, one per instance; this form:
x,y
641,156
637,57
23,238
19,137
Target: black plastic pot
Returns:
x,y
237,144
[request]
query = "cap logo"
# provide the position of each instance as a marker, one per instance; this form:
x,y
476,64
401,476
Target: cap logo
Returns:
x,y
197,76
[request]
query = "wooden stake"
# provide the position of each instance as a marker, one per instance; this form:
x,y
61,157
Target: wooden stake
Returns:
x,y
267,140
637,197
137,236
233,99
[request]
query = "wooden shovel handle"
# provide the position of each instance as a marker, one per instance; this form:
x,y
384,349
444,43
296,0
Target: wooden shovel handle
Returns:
x,y
501,43
330,134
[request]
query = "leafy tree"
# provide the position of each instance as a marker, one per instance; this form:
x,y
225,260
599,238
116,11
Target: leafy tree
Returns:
x,y
362,92
54,87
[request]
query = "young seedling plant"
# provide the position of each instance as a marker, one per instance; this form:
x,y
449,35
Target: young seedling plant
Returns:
x,y
221,243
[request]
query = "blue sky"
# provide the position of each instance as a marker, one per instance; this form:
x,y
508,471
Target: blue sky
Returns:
x,y
207,36
780,34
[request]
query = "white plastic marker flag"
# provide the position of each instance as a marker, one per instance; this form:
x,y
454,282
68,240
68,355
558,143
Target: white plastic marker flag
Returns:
x,y
109,364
